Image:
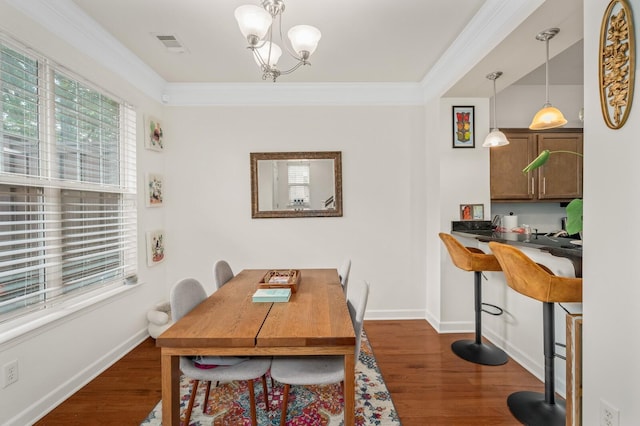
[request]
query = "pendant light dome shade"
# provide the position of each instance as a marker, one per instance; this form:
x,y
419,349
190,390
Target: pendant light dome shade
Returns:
x,y
548,117
495,137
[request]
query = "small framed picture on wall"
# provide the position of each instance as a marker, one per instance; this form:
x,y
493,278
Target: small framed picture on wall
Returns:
x,y
154,190
155,247
154,137
464,132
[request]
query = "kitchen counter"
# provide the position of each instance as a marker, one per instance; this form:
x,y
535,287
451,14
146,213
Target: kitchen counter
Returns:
x,y
556,246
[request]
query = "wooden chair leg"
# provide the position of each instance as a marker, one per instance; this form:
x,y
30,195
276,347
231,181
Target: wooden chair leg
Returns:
x,y
252,403
285,402
206,398
192,398
264,391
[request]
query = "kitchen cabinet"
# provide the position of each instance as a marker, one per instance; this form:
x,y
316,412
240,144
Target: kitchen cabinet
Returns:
x,y
560,179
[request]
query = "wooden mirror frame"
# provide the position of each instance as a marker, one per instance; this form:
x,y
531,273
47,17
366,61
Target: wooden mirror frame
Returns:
x,y
336,156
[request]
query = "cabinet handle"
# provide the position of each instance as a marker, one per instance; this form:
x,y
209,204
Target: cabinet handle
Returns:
x,y
544,185
533,188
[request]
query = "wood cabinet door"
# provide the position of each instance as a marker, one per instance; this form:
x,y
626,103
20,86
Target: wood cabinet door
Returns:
x,y
561,177
506,164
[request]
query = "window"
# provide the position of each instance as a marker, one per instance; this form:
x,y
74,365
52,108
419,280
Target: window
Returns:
x,y
67,184
298,179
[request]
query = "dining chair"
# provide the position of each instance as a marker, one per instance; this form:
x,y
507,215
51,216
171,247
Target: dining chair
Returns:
x,y
343,273
321,369
222,273
185,295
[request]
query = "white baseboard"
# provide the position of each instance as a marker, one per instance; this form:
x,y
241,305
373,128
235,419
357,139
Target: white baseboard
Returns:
x,y
40,408
395,314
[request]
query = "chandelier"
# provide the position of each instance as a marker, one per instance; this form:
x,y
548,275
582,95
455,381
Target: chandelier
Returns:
x,y
256,24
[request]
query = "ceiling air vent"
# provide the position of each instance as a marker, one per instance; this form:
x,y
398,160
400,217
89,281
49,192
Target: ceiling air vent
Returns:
x,y
170,41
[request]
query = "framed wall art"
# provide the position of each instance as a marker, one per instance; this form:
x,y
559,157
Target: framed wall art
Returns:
x,y
154,190
464,132
616,59
155,247
471,211
154,137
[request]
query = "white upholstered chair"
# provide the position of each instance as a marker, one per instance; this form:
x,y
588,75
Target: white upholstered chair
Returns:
x,y
321,369
343,272
221,273
186,295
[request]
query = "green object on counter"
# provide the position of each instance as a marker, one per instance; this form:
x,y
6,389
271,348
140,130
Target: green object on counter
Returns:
x,y
574,216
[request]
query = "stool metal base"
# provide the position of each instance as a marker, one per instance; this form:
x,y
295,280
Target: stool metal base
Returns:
x,y
479,353
531,409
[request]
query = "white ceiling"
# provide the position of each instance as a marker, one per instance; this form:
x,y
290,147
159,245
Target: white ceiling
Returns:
x,y
520,54
363,41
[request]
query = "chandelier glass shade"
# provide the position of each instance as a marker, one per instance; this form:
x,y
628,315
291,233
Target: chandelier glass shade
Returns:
x,y
495,137
256,25
269,54
548,117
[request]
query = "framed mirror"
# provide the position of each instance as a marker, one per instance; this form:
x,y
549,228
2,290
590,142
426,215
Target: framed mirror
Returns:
x,y
296,184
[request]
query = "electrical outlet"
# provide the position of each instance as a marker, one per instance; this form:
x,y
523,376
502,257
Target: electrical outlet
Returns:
x,y
10,373
609,415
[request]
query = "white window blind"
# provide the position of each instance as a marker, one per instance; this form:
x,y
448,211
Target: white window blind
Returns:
x,y
67,184
298,180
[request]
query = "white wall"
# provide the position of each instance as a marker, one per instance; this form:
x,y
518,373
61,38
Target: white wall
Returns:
x,y
462,178
517,104
56,360
208,201
611,285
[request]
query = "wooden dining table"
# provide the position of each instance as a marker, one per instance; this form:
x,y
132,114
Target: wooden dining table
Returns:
x,y
315,321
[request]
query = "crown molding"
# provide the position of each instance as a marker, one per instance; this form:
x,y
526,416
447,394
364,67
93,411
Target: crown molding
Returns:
x,y
66,20
495,20
283,94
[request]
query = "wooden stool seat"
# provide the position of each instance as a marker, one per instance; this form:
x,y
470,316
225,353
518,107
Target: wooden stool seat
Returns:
x,y
537,282
476,261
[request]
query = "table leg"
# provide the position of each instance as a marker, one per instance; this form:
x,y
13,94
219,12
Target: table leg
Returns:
x,y
349,389
170,389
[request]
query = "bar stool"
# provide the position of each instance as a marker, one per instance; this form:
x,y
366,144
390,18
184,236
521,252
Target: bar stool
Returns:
x,y
538,282
473,259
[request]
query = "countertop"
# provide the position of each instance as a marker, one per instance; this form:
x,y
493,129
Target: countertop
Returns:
x,y
556,246
541,242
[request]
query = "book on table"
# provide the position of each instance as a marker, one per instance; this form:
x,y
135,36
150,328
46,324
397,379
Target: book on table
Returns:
x,y
272,295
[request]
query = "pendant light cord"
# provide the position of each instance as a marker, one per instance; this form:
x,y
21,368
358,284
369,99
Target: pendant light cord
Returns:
x,y
495,120
547,71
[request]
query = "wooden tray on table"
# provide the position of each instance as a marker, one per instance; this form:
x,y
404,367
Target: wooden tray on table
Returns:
x,y
281,278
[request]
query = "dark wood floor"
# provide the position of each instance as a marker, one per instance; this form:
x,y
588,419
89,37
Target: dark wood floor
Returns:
x,y
428,383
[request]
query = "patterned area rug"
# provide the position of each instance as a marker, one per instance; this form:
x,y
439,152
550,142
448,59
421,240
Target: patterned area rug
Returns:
x,y
308,405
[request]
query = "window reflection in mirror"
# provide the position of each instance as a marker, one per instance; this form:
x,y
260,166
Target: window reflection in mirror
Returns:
x,y
296,184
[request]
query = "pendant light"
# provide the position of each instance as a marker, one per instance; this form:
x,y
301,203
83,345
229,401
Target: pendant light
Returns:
x,y
495,137
548,117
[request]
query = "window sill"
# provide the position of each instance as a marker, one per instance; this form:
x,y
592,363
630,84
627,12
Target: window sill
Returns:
x,y
38,321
